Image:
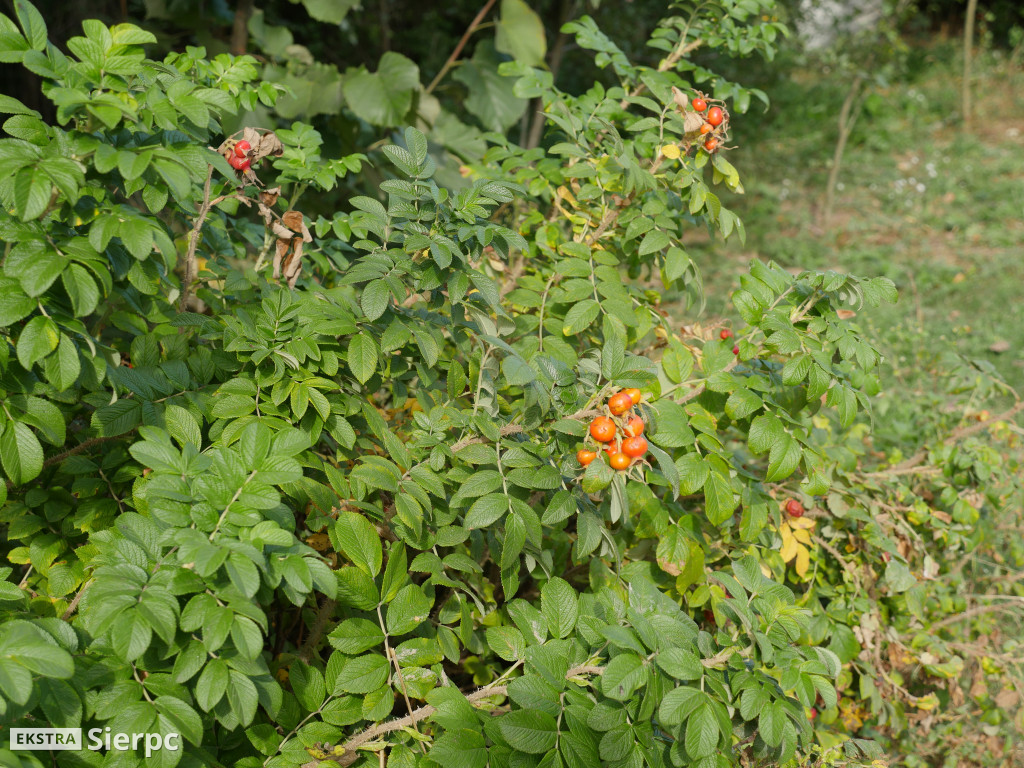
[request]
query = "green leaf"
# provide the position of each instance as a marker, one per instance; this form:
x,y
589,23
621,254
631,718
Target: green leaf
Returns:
x,y
693,473
898,576
182,426
20,453
308,685
375,299
492,97
38,338
362,674
719,498
487,510
242,697
39,273
520,33
741,404
185,719
62,367
383,97
459,748
783,458
702,731
15,304
329,11
11,106
580,317
31,23
34,650
765,430
360,542
117,418
655,240
362,356
130,635
559,606
356,635
32,189
680,664
678,705
81,289
506,642
212,684
529,730
408,610
771,723
622,676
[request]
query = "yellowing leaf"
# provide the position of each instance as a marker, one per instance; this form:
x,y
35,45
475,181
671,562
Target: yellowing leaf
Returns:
x,y
804,523
671,151
565,194
789,545
804,537
803,561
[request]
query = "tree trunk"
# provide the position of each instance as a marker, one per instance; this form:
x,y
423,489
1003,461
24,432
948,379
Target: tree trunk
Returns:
x,y
972,10
240,29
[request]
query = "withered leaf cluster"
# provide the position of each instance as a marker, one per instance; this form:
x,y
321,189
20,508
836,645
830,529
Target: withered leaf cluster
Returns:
x,y
291,233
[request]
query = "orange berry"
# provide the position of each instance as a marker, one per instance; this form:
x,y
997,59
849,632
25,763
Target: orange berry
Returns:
x,y
620,461
634,427
602,429
634,447
619,403
612,448
634,394
585,457
706,129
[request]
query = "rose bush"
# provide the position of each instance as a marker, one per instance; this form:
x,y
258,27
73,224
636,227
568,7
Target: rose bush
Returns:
x,y
306,489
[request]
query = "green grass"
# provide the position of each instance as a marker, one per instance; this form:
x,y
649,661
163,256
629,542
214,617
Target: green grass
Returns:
x,y
938,210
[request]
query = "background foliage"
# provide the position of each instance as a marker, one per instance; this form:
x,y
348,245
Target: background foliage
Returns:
x,y
346,520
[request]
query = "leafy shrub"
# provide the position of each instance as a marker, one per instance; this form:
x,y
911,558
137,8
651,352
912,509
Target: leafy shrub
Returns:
x,y
315,524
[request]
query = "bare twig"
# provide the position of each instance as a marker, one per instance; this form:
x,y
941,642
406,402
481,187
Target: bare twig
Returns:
x,y
970,613
349,754
473,26
56,459
847,118
74,603
955,435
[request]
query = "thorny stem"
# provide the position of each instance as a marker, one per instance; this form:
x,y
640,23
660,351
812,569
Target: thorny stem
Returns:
x,y
193,243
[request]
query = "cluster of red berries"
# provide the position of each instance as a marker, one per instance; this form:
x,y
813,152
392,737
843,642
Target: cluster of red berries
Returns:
x,y
724,334
713,120
622,432
239,157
